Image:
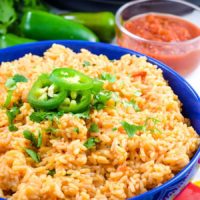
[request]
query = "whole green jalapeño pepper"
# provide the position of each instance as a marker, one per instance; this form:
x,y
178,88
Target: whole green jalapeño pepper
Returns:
x,y
42,25
9,39
71,79
101,23
46,94
76,101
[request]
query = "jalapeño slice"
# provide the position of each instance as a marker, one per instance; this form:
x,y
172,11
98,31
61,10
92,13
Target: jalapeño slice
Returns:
x,y
76,101
46,94
71,79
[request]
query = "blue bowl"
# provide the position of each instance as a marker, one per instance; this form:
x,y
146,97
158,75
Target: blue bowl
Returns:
x,y
189,98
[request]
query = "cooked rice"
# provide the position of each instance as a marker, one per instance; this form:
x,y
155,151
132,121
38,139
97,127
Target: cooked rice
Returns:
x,y
118,167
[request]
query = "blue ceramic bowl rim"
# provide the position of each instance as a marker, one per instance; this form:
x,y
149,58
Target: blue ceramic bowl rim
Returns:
x,y
126,51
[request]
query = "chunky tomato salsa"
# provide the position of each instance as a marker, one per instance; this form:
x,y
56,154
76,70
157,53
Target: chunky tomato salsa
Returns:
x,y
164,28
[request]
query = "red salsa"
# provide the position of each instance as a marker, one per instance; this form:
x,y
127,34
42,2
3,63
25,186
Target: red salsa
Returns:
x,y
164,28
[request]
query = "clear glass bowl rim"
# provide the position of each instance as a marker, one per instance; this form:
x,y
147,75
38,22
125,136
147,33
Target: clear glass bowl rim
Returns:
x,y
133,36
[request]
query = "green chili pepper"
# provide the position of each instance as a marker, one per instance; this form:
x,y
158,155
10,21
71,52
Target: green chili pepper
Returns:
x,y
46,94
102,23
76,101
71,79
41,25
8,40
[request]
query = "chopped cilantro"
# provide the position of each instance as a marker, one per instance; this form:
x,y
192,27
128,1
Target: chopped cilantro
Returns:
x,y
155,122
39,142
137,93
131,129
11,114
41,116
109,77
100,99
133,104
91,142
51,130
11,86
33,155
12,128
114,129
157,130
86,63
19,78
84,115
51,172
38,116
30,136
94,128
8,98
76,130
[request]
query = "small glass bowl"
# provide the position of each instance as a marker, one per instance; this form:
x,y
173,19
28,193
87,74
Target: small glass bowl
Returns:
x,y
182,56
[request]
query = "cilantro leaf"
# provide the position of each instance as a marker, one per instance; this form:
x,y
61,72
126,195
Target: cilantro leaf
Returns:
x,y
94,128
51,172
155,122
33,155
109,77
100,99
37,116
84,115
39,142
137,93
131,129
8,98
12,128
91,142
11,82
114,129
30,136
133,104
51,130
76,130
11,114
86,63
41,116
19,78
11,86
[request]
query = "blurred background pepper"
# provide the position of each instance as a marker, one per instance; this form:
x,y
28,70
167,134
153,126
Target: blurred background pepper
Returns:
x,y
23,21
101,23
